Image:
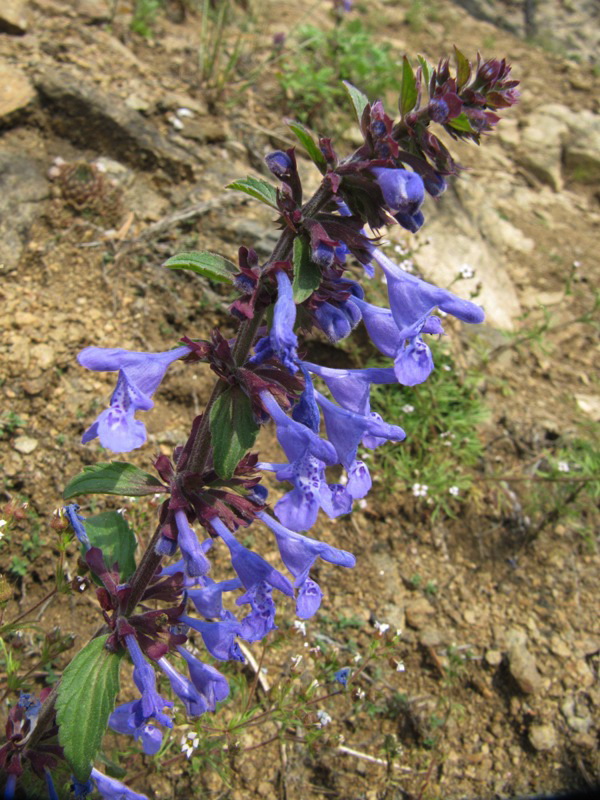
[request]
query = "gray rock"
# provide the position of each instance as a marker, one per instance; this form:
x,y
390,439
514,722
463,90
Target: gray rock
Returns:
x,y
13,17
23,186
92,119
94,10
25,445
577,715
16,91
541,148
542,737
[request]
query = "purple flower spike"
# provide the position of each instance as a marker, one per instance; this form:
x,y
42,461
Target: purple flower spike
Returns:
x,y
196,563
194,702
208,681
208,600
282,337
251,568
112,789
218,637
402,190
139,377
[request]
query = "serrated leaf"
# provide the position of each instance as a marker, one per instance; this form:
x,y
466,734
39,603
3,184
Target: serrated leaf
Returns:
x,y
463,69
86,698
233,430
307,275
308,143
408,88
115,477
111,532
461,123
209,265
257,188
359,100
427,69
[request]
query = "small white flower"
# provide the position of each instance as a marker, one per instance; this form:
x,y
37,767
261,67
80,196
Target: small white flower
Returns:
x,y
357,658
400,666
576,264
407,408
420,489
360,694
407,265
121,511
563,466
324,718
3,523
362,503
296,660
400,250
300,626
446,367
381,627
189,743
466,272
454,491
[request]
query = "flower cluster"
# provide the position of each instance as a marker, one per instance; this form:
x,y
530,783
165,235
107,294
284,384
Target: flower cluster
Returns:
x,y
322,416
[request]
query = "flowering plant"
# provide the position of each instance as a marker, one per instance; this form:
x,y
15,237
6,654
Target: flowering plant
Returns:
x,y
212,486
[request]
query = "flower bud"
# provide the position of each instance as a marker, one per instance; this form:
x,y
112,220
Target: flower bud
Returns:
x,y
402,190
412,222
279,163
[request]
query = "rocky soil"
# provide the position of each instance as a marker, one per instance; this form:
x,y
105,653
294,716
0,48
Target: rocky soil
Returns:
x,y
112,158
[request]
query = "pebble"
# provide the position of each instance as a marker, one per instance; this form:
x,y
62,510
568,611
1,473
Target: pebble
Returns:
x,y
417,613
542,737
493,658
25,444
521,663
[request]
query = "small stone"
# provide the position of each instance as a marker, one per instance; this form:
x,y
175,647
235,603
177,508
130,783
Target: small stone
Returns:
x,y
25,444
16,92
542,737
559,648
521,663
418,612
493,658
430,637
470,616
43,355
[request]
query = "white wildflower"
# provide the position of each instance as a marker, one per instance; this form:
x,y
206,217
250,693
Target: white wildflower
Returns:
x,y
381,627
324,718
300,626
466,272
407,408
454,491
420,489
563,466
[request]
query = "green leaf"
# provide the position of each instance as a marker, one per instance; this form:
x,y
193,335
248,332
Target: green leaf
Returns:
x,y
427,70
115,477
111,532
307,275
86,698
308,143
408,88
461,123
257,188
463,69
209,265
233,430
359,100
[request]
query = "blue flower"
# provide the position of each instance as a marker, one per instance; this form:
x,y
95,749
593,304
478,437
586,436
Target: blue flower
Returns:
x,y
196,563
151,703
208,599
251,568
352,387
195,704
345,430
342,675
208,681
76,522
337,322
283,339
218,637
402,190
261,619
139,377
308,455
127,718
112,789
299,553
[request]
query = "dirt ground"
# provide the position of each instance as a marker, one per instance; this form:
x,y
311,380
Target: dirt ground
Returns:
x,y
493,689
